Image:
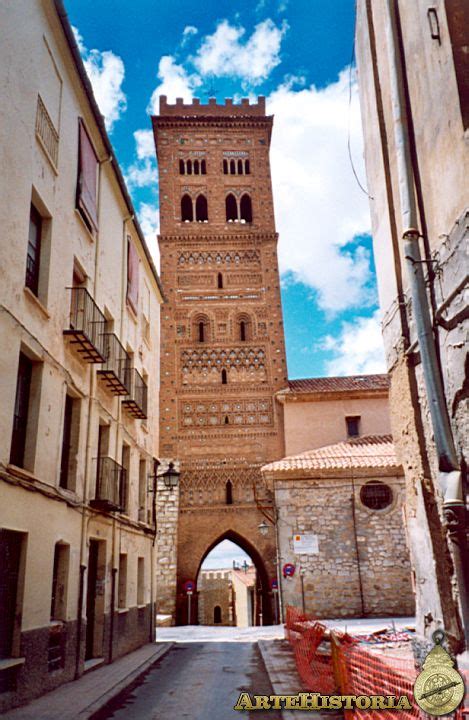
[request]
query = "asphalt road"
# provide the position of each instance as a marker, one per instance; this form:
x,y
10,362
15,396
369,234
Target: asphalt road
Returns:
x,y
198,681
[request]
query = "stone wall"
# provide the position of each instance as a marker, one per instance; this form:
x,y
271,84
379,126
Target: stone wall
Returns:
x,y
362,567
215,589
167,508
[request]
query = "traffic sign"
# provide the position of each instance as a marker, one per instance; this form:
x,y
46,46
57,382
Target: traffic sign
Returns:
x,y
288,570
189,586
274,584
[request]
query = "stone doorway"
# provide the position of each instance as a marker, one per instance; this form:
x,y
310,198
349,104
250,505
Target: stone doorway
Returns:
x,y
237,596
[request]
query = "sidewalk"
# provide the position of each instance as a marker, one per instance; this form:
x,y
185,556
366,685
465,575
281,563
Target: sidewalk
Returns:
x,y
280,665
78,700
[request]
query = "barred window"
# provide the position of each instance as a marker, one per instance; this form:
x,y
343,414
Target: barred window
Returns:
x,y
376,495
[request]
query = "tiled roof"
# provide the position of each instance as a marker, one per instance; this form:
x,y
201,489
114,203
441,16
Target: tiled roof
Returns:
x,y
371,451
248,578
340,384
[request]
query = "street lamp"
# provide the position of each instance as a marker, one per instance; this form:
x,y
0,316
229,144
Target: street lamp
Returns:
x,y
170,476
263,528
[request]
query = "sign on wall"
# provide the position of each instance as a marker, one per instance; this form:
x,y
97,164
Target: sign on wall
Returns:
x,y
305,544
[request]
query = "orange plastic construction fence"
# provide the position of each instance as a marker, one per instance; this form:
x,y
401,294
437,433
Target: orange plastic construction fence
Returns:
x,y
351,669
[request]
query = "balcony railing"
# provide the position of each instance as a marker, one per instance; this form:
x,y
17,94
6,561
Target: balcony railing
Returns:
x,y
137,401
116,366
111,486
86,326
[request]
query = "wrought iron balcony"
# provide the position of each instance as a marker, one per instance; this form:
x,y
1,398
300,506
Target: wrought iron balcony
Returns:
x,y
137,401
116,366
86,326
111,486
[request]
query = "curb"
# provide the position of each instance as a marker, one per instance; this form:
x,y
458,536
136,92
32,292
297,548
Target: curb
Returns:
x,y
116,689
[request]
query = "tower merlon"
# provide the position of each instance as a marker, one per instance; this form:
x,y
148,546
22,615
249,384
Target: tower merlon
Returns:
x,y
228,108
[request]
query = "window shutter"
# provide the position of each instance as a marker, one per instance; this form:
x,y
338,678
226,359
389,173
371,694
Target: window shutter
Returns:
x,y
132,275
87,179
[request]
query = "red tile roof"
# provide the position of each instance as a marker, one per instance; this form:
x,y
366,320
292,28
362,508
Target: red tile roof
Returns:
x,y
340,384
371,451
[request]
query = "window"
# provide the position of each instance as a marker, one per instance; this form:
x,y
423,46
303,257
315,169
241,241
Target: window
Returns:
x,y
187,211
231,208
58,609
232,167
229,493
220,281
246,208
240,167
140,581
33,257
247,167
353,425
87,180
457,13
21,413
142,491
125,482
376,495
203,167
224,377
217,614
133,268
189,167
70,442
196,167
225,167
201,209
227,420
122,587
201,331
182,168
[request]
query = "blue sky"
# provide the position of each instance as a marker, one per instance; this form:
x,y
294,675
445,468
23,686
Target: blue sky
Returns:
x,y
297,53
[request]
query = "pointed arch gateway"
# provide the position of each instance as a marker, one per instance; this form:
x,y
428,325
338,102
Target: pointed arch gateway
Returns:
x,y
263,602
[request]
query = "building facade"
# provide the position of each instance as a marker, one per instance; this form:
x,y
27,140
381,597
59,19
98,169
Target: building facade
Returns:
x,y
228,597
340,524
413,75
222,343
79,322
328,410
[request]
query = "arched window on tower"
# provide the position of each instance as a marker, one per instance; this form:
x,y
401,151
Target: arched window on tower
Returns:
x,y
189,167
187,211
202,332
196,167
242,330
231,208
182,169
203,167
227,420
217,614
247,167
201,209
229,493
246,208
224,378
225,167
240,167
232,167
220,281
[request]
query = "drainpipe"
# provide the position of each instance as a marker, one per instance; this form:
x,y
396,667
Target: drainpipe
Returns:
x,y
450,476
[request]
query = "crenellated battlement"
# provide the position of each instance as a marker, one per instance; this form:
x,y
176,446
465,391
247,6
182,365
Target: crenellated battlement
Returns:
x,y
227,109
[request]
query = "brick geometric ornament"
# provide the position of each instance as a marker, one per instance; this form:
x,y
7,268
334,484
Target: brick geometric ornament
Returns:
x,y
222,339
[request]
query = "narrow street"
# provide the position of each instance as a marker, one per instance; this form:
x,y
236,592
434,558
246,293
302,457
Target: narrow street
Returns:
x,y
200,681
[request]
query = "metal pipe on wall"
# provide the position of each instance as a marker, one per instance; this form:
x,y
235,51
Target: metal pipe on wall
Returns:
x,y
450,473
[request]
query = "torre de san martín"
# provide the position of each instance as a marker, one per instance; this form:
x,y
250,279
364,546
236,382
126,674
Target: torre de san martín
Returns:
x,y
222,340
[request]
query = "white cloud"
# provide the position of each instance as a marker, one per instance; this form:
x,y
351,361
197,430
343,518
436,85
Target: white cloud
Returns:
x,y
106,72
358,350
224,54
188,32
142,174
175,82
145,144
318,205
223,555
149,219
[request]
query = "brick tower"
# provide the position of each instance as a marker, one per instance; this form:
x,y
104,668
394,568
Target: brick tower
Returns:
x,y
222,341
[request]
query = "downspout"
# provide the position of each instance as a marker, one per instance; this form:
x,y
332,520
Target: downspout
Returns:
x,y
156,464
449,470
357,549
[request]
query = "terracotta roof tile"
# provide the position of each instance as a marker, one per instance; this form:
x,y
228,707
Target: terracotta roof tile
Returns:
x,y
340,384
371,451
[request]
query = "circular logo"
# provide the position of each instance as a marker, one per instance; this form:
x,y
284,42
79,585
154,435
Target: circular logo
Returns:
x,y
189,586
288,570
439,692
